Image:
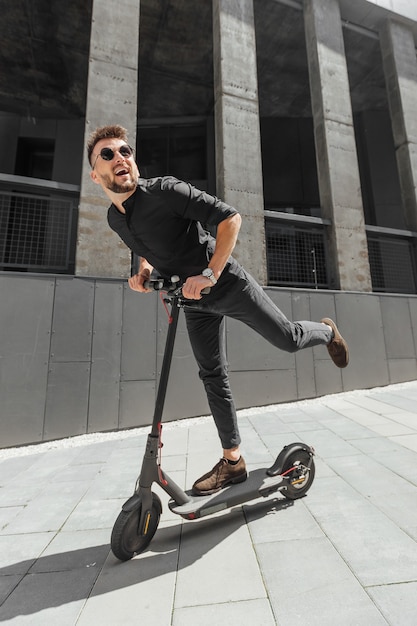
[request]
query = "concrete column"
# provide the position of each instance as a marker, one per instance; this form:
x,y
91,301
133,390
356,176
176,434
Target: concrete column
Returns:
x,y
237,130
111,99
400,67
337,163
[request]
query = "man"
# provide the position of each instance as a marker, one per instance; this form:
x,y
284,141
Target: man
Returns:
x,y
160,220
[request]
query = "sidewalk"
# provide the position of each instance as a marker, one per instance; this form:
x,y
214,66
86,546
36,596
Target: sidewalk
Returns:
x,y
346,554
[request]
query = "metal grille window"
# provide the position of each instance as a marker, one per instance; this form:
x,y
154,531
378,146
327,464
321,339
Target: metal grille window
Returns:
x,y
392,263
295,255
35,232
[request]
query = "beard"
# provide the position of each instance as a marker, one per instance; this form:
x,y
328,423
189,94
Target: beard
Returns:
x,y
124,187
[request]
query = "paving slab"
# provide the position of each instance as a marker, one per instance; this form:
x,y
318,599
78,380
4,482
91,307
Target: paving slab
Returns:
x,y
377,446
7,514
18,553
49,598
392,428
279,519
7,585
210,546
73,550
409,441
93,514
399,460
346,429
308,579
389,491
140,590
376,549
327,444
400,401
12,467
363,416
49,510
397,602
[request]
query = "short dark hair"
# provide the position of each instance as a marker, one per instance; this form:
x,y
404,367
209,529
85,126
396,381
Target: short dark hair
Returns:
x,y
105,132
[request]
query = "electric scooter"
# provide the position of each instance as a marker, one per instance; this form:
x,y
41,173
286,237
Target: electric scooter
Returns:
x,y
292,472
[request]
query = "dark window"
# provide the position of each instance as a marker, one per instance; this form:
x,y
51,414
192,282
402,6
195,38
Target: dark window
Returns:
x,y
296,256
178,151
35,158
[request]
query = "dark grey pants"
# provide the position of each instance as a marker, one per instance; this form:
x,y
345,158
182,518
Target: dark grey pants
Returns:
x,y
239,296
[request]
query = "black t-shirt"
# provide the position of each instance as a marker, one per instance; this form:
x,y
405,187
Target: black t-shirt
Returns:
x,y
163,224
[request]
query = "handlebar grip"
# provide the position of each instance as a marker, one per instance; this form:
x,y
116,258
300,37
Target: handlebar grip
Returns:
x,y
155,284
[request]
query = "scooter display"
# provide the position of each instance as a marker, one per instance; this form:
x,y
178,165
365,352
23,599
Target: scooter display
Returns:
x,y
292,473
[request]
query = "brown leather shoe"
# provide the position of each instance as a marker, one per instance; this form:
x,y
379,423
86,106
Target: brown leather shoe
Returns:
x,y
337,348
222,474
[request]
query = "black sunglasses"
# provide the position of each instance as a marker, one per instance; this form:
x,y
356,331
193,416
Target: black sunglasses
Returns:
x,y
107,154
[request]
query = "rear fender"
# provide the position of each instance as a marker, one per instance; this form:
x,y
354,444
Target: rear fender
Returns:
x,y
277,468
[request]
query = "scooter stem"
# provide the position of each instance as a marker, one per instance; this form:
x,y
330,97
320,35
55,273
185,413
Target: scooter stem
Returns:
x,y
166,366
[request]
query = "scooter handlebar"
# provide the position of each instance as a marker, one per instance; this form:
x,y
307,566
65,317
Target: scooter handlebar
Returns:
x,y
172,286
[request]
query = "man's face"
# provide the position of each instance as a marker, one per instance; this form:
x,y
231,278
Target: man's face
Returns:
x,y
120,174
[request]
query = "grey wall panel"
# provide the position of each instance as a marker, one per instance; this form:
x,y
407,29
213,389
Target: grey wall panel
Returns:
x,y
300,305
412,303
401,370
328,377
360,315
138,335
263,388
322,304
67,400
22,399
25,331
348,314
304,359
306,376
106,351
185,393
72,320
399,339
137,401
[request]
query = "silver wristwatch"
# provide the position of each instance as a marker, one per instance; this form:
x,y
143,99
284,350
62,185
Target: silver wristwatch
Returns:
x,y
208,273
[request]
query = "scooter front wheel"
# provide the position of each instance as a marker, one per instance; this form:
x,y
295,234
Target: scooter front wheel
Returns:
x,y
127,539
300,470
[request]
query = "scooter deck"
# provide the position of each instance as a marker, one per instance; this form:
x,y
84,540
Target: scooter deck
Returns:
x,y
258,484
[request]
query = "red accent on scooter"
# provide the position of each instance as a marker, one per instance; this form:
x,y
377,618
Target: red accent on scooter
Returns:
x,y
160,445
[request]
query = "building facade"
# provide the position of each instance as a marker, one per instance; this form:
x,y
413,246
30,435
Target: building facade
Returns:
x,y
299,113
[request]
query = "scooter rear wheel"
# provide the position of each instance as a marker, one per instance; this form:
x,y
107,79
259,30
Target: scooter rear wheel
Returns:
x,y
126,538
300,470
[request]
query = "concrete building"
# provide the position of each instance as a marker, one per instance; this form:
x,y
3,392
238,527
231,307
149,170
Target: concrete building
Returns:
x,y
299,113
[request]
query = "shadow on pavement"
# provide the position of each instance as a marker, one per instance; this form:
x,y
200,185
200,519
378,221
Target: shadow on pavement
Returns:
x,y
31,586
